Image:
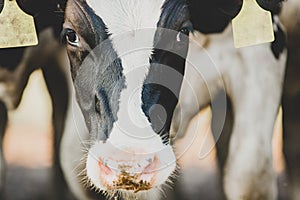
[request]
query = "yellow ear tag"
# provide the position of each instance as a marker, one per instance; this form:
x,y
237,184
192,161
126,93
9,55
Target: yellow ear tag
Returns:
x,y
253,25
16,27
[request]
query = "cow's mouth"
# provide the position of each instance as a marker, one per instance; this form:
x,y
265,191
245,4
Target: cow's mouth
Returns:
x,y
116,172
129,182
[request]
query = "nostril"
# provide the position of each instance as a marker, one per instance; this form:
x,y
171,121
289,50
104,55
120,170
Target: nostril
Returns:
x,y
112,169
151,167
104,168
135,175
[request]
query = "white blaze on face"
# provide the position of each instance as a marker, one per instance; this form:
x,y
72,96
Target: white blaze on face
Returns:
x,y
132,25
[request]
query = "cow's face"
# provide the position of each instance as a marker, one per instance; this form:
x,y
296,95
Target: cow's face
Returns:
x,y
127,63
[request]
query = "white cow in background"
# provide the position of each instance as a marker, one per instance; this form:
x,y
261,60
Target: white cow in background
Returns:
x,y
17,64
252,78
191,100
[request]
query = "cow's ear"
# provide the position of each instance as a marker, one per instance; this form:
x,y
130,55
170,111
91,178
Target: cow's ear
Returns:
x,y
213,16
33,7
38,7
231,8
271,5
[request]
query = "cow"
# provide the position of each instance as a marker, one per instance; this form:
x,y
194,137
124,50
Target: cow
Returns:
x,y
128,62
17,64
240,160
290,99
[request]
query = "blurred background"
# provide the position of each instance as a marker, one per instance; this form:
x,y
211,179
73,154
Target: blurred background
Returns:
x,y
28,143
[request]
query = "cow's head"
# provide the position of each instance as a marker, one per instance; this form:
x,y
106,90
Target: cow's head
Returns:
x,y
127,63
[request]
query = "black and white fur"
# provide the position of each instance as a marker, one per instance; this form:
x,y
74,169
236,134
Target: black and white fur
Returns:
x,y
127,78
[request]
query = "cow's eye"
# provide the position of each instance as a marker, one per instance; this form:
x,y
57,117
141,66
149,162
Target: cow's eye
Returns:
x,y
183,33
72,37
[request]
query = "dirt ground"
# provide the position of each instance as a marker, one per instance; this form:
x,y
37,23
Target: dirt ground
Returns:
x,y
28,150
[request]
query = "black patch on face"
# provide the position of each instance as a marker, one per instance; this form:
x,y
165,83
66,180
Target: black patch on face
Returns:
x,y
88,26
280,43
213,16
162,85
96,70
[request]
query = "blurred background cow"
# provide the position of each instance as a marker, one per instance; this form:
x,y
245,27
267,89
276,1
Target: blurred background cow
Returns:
x,y
16,66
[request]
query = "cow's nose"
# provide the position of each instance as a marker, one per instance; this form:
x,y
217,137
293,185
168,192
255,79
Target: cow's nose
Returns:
x,y
134,175
132,168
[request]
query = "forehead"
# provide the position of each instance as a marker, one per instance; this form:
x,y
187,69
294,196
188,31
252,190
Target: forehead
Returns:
x,y
114,18
127,15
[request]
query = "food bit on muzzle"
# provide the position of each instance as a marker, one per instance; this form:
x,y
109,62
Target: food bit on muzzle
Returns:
x,y
129,182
